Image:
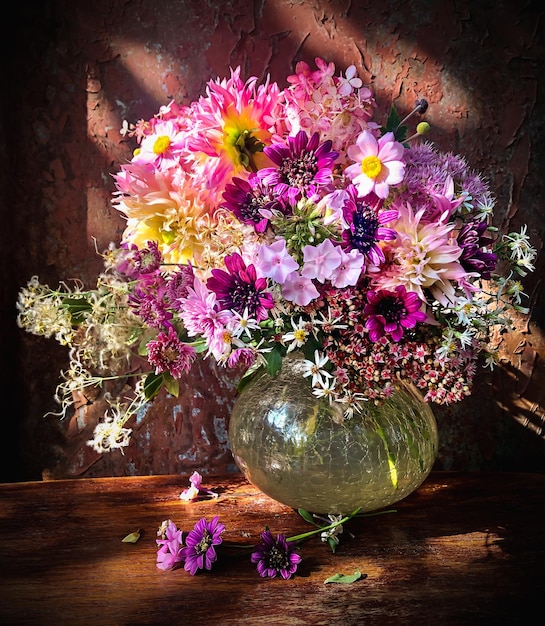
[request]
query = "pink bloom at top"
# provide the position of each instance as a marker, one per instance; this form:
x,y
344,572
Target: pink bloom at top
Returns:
x,y
321,260
299,289
163,147
275,262
378,163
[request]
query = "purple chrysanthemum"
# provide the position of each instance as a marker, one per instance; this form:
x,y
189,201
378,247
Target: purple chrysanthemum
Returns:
x,y
149,302
302,165
169,553
168,354
391,313
246,199
239,289
275,556
199,551
365,227
178,285
474,258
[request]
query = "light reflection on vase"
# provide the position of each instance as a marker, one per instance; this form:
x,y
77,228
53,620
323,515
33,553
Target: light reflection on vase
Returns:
x,y
299,450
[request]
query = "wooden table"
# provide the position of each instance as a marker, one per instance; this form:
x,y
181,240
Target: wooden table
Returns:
x,y
463,549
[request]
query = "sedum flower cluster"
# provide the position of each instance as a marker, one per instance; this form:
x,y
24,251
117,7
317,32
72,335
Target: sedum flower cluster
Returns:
x,y
262,221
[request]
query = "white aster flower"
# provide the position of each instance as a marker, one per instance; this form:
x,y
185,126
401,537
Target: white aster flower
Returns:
x,y
316,369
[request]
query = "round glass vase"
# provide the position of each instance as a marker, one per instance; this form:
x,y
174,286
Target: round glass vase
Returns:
x,y
301,451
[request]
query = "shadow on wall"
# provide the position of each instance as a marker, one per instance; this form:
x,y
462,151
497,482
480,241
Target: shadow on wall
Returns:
x,y
77,70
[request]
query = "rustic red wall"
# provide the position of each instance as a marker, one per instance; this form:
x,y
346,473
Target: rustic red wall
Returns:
x,y
74,69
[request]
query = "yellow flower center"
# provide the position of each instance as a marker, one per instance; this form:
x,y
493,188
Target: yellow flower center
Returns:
x,y
371,166
300,334
161,144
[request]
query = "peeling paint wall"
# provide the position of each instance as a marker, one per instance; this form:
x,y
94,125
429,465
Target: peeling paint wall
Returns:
x,y
74,70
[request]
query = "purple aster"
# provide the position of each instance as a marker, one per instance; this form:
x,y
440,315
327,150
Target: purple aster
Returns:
x,y
474,258
275,556
365,227
168,354
239,289
199,551
247,200
302,165
392,312
169,553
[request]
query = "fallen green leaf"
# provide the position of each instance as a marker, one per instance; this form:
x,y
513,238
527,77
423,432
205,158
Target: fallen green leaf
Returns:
x,y
132,537
345,579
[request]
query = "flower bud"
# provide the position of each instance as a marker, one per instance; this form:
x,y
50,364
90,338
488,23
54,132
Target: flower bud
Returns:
x,y
421,106
423,128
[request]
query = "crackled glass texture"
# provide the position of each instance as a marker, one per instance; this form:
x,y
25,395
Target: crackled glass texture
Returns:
x,y
299,450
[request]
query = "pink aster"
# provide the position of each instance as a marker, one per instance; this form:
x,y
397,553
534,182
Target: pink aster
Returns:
x,y
392,312
321,260
378,163
275,262
200,313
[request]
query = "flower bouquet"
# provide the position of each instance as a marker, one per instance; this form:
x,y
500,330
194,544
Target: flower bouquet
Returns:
x,y
263,223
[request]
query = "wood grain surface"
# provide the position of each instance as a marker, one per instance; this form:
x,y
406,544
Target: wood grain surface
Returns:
x,y
463,549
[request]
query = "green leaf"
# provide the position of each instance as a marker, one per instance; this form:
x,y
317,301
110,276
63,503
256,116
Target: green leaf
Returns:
x,y
345,579
306,516
77,307
132,537
152,385
392,125
172,384
274,362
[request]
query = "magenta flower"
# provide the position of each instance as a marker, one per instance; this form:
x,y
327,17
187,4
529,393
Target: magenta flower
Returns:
x,y
251,201
199,551
379,163
302,166
169,554
168,354
240,289
391,313
275,556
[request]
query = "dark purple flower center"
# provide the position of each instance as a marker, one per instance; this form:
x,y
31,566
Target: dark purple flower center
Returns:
x,y
277,558
391,308
364,231
299,172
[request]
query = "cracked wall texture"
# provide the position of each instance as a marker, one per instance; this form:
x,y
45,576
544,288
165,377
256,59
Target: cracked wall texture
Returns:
x,y
73,70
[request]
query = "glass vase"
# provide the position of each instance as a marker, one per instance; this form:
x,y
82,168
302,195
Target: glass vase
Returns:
x,y
303,452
